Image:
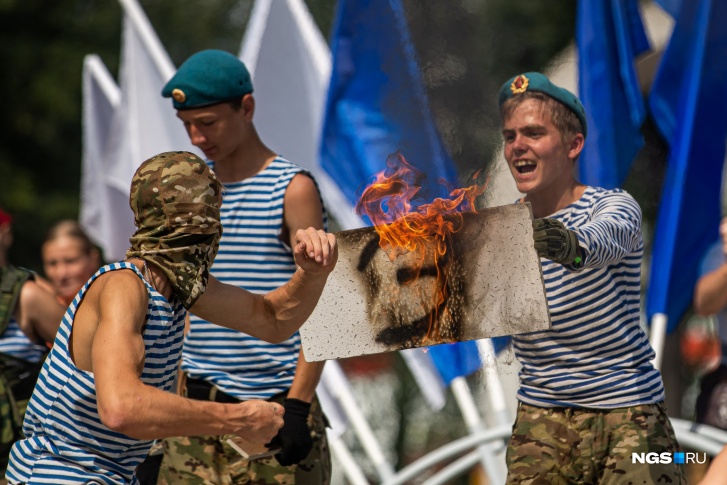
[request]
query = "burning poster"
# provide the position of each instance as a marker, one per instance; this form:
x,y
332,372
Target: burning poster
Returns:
x,y
443,273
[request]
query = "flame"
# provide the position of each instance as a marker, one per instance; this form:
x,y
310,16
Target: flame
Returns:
x,y
425,230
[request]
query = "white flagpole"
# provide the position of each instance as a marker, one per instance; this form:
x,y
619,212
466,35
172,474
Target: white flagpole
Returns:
x,y
341,390
495,391
348,464
657,336
474,423
427,377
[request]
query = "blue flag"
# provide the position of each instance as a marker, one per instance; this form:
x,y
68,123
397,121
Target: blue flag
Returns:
x,y
609,35
689,105
671,6
461,359
455,360
376,102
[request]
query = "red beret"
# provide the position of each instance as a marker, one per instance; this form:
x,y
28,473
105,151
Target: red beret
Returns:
x,y
5,218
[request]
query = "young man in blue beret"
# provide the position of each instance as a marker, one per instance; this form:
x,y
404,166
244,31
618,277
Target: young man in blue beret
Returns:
x,y
266,200
589,396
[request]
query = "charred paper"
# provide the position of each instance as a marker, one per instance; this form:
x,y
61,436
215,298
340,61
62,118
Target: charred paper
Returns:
x,y
482,280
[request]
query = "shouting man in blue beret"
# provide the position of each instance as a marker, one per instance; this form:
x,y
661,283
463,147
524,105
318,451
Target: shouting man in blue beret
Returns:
x,y
266,199
589,396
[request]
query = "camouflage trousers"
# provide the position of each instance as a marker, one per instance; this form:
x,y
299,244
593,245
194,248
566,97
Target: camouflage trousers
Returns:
x,y
210,460
594,446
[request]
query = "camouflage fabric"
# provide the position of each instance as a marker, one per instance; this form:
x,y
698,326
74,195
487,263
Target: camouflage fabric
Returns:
x,y
12,280
175,199
209,460
574,446
11,421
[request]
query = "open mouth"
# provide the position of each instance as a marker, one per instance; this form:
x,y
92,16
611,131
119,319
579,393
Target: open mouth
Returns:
x,y
525,166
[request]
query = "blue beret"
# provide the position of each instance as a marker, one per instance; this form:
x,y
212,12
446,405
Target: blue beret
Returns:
x,y
208,77
534,81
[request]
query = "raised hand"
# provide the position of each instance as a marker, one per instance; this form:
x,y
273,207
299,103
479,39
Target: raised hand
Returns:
x,y
316,251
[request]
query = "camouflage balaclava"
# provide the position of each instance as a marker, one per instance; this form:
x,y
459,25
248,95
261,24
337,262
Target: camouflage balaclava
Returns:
x,y
175,200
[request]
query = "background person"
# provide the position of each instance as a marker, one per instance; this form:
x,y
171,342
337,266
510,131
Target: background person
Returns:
x,y
589,395
710,298
69,259
265,201
29,317
101,397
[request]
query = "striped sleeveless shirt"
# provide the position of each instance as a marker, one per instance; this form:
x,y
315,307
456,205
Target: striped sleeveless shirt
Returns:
x,y
15,343
66,443
251,256
597,354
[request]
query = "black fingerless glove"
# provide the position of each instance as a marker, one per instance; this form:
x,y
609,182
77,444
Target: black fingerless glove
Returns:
x,y
294,438
553,241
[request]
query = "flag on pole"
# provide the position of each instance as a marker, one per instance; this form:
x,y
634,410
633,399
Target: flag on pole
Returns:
x,y
376,102
143,124
609,36
146,123
670,6
290,65
101,98
688,103
434,368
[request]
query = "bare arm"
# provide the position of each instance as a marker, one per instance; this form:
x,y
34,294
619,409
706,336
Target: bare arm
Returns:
x,y
717,472
710,292
307,375
275,316
302,208
129,406
38,312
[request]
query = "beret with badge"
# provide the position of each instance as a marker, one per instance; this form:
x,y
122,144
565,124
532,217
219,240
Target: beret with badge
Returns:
x,y
535,81
208,77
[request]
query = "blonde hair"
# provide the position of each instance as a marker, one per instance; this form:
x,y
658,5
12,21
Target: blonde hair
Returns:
x,y
563,118
72,229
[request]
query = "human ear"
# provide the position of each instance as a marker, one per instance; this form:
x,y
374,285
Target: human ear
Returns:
x,y
575,146
248,106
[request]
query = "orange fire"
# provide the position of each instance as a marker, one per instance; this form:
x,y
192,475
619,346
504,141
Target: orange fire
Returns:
x,y
423,235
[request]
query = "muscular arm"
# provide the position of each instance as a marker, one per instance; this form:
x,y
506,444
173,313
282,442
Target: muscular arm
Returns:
x,y
113,331
38,312
275,316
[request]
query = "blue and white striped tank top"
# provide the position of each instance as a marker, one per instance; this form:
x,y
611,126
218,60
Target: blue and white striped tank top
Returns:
x,y
15,343
596,355
253,257
66,443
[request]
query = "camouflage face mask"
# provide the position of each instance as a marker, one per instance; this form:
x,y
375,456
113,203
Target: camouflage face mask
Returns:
x,y
175,199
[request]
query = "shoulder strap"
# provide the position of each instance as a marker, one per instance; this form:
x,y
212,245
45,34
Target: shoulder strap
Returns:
x,y
11,281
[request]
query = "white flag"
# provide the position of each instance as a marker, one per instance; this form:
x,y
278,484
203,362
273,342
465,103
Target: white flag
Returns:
x,y
101,205
143,124
290,65
146,123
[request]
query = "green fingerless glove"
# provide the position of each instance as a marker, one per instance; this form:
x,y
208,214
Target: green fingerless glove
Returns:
x,y
553,241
